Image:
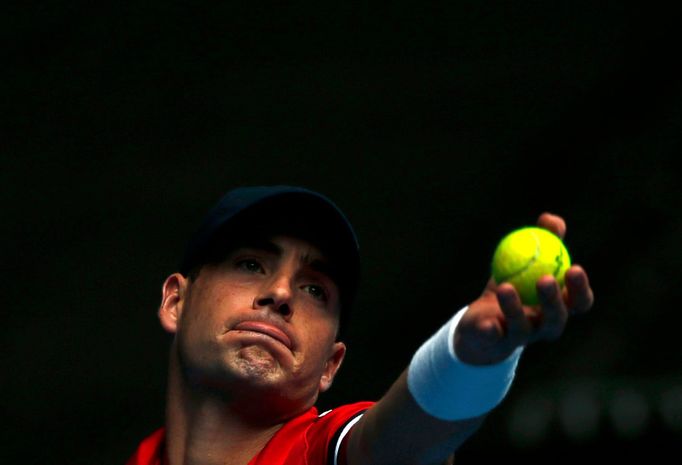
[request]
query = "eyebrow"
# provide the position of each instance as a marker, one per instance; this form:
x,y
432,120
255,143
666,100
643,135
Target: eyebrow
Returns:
x,y
262,245
317,264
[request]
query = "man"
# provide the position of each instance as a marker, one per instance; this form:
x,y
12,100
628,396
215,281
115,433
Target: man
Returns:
x,y
258,312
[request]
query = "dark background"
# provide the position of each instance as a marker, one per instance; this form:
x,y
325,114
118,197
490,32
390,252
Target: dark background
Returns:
x,y
437,128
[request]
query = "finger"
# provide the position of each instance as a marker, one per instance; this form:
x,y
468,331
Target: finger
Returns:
x,y
554,311
517,326
553,223
490,286
579,295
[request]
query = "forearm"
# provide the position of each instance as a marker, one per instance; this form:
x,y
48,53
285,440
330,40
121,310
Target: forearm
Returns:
x,y
433,407
465,370
398,431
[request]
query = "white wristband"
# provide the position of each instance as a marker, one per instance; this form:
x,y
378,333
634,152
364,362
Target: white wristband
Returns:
x,y
449,389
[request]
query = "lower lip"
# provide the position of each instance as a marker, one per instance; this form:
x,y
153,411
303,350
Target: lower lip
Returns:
x,y
256,329
247,338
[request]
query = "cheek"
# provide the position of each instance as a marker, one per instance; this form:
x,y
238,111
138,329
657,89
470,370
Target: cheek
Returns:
x,y
212,312
325,326
320,336
314,319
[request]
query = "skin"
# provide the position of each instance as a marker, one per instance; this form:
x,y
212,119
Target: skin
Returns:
x,y
214,373
226,381
397,431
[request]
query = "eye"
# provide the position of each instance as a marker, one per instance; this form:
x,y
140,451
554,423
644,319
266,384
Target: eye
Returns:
x,y
250,265
316,291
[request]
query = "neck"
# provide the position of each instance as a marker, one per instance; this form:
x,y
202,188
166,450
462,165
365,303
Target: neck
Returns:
x,y
205,428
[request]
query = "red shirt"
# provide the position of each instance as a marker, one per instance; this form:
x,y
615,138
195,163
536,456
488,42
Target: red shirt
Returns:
x,y
308,439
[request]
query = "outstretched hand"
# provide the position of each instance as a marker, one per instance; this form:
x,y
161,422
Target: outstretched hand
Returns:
x,y
497,322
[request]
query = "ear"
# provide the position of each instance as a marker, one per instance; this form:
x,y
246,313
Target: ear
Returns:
x,y
172,300
332,365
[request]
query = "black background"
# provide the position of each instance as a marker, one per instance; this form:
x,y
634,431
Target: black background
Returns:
x,y
437,128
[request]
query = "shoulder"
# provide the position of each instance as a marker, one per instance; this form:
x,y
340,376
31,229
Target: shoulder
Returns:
x,y
327,439
316,437
150,450
335,419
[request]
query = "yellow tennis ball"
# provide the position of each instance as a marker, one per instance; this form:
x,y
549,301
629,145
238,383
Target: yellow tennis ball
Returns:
x,y
525,255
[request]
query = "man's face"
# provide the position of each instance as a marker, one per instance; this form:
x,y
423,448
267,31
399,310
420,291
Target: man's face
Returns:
x,y
263,323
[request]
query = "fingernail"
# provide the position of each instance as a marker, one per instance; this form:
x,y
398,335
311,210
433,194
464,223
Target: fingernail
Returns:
x,y
547,291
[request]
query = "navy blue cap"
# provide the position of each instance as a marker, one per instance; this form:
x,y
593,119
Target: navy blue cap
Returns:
x,y
279,209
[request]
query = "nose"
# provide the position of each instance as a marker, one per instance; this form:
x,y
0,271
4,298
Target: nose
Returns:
x,y
276,295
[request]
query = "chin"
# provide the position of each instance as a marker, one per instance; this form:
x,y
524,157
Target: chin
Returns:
x,y
257,366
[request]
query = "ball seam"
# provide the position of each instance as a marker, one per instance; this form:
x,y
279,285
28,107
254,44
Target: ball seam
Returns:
x,y
530,262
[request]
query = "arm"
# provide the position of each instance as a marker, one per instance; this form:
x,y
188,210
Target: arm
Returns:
x,y
397,430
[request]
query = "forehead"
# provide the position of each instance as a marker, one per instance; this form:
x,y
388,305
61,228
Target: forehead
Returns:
x,y
315,250
306,252
280,243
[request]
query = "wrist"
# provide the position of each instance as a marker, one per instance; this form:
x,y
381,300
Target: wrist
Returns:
x,y
448,388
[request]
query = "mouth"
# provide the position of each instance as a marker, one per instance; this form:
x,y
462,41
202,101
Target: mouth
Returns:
x,y
267,329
